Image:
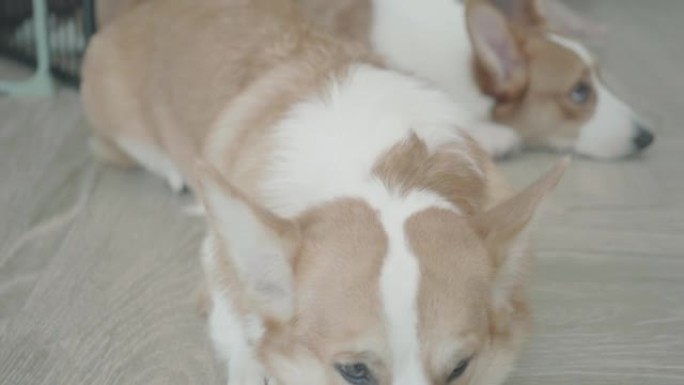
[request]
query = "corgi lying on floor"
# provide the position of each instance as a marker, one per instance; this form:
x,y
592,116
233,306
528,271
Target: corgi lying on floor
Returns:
x,y
356,235
523,82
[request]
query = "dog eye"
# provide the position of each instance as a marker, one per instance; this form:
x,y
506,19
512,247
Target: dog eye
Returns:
x,y
580,93
458,371
356,373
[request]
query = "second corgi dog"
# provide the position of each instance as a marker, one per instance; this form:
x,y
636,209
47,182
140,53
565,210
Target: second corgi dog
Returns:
x,y
356,234
524,82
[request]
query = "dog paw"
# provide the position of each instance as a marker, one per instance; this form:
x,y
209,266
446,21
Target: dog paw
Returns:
x,y
499,141
108,152
176,182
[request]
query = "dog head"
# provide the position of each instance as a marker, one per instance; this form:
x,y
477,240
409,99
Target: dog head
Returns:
x,y
546,85
355,293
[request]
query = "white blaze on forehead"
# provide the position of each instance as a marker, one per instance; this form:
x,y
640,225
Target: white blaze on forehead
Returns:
x,y
610,132
573,46
399,285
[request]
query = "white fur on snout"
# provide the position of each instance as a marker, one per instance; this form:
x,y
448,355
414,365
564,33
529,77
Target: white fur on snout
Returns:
x,y
610,132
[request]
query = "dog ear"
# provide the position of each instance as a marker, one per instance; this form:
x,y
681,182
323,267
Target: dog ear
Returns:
x,y
502,229
260,245
497,51
502,223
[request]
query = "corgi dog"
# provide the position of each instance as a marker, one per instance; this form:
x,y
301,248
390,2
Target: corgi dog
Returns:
x,y
355,234
523,80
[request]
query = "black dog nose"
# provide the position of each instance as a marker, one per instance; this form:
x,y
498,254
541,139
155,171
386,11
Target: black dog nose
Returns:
x,y
643,138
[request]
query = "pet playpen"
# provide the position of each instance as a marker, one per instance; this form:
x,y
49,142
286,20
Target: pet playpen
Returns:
x,y
48,35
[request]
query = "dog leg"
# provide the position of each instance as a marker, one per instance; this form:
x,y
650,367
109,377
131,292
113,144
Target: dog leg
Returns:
x,y
109,152
155,161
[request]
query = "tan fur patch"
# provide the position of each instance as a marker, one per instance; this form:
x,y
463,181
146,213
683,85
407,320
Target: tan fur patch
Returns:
x,y
536,102
348,19
455,288
336,274
452,171
500,86
545,109
127,92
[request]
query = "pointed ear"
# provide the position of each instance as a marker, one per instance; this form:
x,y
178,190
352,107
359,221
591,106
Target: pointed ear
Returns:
x,y
496,50
504,222
259,244
502,229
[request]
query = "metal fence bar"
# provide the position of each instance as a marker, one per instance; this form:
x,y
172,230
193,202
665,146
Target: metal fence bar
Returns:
x,y
69,25
40,83
89,24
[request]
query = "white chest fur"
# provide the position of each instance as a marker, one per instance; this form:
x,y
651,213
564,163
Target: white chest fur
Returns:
x,y
327,147
429,39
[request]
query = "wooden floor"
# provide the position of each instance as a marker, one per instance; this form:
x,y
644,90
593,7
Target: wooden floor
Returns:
x,y
99,269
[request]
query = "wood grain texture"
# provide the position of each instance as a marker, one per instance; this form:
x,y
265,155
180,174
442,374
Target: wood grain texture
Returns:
x,y
99,267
